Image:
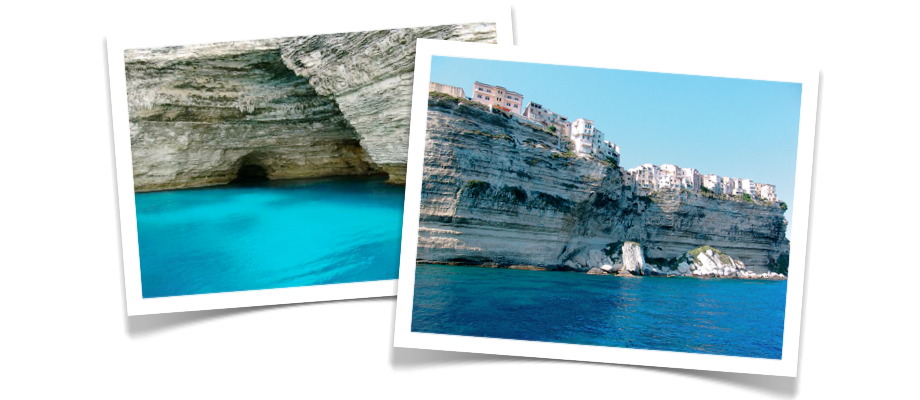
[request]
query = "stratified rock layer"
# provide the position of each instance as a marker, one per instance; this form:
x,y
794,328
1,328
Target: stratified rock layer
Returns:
x,y
370,76
198,115
496,190
302,107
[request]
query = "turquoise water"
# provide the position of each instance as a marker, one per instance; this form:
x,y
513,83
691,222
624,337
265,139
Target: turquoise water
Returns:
x,y
712,316
270,235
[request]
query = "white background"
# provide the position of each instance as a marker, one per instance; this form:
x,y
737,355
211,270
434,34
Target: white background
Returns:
x,y
64,331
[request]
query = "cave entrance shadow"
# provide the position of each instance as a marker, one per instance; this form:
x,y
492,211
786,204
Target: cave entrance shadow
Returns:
x,y
250,174
251,170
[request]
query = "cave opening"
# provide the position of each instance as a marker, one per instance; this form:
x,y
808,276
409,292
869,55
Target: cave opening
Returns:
x,y
250,174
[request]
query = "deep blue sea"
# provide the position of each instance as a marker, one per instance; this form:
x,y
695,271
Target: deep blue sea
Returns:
x,y
712,316
275,234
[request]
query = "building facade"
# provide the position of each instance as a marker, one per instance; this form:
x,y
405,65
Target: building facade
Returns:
x,y
497,96
766,191
586,137
610,150
713,183
649,177
644,177
690,179
542,115
446,89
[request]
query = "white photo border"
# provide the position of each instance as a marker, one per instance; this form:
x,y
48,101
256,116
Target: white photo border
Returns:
x,y
786,366
135,303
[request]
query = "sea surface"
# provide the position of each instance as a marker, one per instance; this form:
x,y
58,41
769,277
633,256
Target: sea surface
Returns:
x,y
269,235
713,316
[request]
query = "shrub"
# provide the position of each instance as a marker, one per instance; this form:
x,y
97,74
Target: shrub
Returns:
x,y
516,193
477,188
554,202
702,249
783,205
523,174
780,266
496,110
602,201
567,154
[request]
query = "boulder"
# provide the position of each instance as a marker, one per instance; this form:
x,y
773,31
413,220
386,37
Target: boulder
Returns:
x,y
596,271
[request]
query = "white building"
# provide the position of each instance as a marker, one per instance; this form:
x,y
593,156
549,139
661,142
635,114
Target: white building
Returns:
x,y
586,137
766,192
747,187
668,177
713,183
446,89
610,150
732,186
690,179
644,177
648,178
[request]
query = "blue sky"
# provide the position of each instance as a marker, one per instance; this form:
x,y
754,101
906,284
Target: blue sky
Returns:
x,y
731,127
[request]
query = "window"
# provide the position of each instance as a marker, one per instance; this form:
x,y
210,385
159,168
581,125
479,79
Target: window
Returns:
x,y
479,96
487,97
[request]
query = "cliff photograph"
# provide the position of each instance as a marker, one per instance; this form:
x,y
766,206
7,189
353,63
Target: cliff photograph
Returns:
x,y
272,163
606,207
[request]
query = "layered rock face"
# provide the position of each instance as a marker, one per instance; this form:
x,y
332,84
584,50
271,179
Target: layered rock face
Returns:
x,y
302,107
493,190
497,190
370,75
670,223
198,117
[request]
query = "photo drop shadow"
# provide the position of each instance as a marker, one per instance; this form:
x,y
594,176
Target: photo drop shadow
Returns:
x,y
146,325
410,359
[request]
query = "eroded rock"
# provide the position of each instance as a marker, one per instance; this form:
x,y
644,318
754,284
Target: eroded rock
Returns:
x,y
302,107
497,188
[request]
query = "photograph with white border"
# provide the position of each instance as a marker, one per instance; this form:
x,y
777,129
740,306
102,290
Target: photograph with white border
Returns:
x,y
606,210
265,164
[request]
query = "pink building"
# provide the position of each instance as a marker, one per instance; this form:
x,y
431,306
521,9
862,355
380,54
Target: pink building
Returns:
x,y
497,96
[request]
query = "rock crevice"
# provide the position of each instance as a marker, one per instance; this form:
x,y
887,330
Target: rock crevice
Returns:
x,y
317,106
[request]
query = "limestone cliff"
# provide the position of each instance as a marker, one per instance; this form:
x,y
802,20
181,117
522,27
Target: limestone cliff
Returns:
x,y
498,190
370,76
299,107
198,117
